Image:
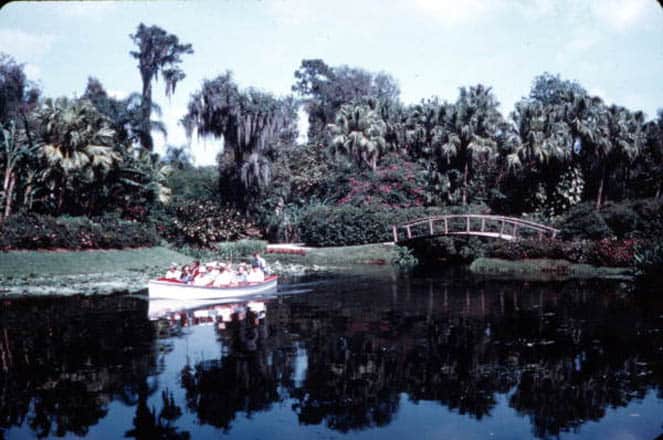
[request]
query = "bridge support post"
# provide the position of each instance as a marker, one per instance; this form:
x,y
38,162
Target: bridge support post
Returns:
x,y
502,229
446,226
467,228
430,227
515,231
395,231
409,232
483,225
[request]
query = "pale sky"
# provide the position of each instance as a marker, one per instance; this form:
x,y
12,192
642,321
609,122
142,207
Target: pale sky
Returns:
x,y
614,48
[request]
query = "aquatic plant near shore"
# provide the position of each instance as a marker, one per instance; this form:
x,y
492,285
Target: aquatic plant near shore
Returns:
x,y
404,259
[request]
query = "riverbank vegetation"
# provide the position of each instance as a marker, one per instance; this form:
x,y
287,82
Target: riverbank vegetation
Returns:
x,y
82,173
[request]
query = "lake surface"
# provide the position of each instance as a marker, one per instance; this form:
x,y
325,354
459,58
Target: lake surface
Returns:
x,y
352,356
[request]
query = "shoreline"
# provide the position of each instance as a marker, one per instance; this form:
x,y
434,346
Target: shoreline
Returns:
x,y
545,270
109,271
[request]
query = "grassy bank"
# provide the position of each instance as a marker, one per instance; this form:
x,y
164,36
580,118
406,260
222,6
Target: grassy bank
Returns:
x,y
338,256
82,272
16,264
544,269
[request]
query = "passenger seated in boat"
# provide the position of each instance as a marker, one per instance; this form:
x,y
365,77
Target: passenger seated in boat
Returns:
x,y
187,275
241,275
214,269
194,268
203,278
173,272
224,278
255,275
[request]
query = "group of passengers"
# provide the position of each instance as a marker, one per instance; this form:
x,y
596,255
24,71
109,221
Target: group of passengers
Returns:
x,y
218,274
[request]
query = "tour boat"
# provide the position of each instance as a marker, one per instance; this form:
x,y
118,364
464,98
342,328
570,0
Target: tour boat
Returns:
x,y
163,288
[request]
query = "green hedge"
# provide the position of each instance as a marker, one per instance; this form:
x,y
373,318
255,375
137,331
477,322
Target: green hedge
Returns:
x,y
226,251
349,225
33,231
630,219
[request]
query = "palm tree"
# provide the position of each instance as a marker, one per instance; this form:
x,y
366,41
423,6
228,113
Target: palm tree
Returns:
x,y
15,149
145,176
158,52
618,142
469,130
359,133
77,143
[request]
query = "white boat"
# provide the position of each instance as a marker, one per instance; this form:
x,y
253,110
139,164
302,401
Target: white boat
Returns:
x,y
169,289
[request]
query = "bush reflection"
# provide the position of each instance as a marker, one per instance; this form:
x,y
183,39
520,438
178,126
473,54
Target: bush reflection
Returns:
x,y
348,355
562,355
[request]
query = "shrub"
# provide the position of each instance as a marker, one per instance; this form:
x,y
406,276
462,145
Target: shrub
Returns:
x,y
606,252
583,222
630,219
226,250
404,259
648,261
323,225
203,223
33,231
350,225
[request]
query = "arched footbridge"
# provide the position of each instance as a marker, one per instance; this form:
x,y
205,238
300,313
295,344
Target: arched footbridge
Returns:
x,y
494,226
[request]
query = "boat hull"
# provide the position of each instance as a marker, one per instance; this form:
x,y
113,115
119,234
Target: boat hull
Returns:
x,y
159,289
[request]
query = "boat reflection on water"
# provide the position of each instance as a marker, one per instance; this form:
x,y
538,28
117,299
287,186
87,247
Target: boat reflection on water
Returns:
x,y
193,312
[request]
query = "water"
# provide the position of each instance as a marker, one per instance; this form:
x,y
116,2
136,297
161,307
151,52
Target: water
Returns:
x,y
354,356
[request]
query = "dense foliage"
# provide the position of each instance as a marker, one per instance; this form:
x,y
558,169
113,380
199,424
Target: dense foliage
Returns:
x,y
606,252
562,156
34,231
204,223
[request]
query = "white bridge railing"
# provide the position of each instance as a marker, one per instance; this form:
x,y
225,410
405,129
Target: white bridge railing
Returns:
x,y
495,226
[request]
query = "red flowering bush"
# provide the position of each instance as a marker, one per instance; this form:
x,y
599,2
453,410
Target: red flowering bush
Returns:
x,y
397,184
617,253
613,253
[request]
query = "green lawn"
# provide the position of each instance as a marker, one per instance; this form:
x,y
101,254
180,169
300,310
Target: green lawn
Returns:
x,y
33,263
339,256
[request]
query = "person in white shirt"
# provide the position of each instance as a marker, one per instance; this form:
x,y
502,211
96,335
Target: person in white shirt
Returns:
x,y
255,275
203,278
174,273
224,278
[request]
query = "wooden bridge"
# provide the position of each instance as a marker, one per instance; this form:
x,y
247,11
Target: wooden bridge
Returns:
x,y
494,226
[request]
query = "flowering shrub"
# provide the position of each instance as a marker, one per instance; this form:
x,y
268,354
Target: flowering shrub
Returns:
x,y
203,223
613,253
397,184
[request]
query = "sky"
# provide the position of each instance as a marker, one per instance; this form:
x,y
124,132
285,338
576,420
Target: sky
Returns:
x,y
614,48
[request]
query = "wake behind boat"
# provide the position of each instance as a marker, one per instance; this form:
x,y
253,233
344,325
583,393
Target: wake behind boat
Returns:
x,y
163,288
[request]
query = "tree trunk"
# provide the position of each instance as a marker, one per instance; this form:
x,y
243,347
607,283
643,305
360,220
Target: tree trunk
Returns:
x,y
27,197
9,194
465,174
658,191
146,114
600,193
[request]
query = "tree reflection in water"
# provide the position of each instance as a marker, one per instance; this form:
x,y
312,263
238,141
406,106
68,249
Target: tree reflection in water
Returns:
x,y
245,380
345,356
63,360
561,354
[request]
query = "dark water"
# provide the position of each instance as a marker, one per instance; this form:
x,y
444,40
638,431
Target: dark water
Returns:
x,y
352,356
